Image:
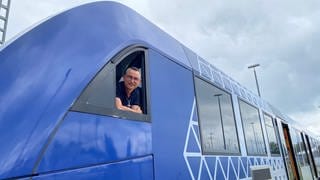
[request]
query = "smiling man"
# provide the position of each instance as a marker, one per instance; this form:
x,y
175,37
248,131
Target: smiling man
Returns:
x,y
128,92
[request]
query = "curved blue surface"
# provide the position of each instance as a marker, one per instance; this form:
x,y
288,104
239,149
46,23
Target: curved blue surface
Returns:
x,y
139,168
86,139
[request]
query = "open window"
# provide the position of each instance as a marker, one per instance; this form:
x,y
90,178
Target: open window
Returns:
x,y
99,96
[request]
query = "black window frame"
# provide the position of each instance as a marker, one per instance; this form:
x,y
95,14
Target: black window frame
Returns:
x,y
244,134
233,112
112,66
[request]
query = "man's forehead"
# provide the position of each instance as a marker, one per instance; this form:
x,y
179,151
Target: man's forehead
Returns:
x,y
133,72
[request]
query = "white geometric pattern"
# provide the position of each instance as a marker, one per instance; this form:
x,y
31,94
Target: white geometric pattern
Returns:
x,y
222,167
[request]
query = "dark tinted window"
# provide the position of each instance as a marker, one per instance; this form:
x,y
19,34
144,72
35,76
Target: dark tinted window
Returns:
x,y
99,96
217,123
273,143
252,129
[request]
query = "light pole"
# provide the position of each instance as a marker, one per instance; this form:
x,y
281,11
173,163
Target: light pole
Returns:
x,y
255,76
254,136
224,139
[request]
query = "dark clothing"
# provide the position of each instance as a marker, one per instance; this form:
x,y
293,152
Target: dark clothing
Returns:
x,y
134,98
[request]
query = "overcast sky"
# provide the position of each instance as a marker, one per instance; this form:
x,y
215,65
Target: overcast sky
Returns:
x,y
282,36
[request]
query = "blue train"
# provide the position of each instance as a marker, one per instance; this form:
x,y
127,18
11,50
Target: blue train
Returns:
x,y
58,118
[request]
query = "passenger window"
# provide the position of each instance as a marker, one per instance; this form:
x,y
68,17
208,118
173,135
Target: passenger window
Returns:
x,y
252,129
217,122
100,95
270,128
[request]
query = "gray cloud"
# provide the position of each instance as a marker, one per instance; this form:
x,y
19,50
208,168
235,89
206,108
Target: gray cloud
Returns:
x,y
282,36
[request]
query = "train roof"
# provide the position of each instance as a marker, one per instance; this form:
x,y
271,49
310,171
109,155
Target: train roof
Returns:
x,y
136,29
45,69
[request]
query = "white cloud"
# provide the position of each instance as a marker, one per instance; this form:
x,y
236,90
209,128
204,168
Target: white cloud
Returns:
x,y
309,120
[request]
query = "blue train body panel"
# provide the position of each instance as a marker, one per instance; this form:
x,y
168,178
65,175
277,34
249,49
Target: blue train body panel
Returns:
x,y
45,70
170,125
86,139
139,168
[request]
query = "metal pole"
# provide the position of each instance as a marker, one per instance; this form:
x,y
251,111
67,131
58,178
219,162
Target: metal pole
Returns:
x,y
255,76
5,19
257,84
220,112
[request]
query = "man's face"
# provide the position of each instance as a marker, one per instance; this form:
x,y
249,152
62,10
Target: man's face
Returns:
x,y
131,79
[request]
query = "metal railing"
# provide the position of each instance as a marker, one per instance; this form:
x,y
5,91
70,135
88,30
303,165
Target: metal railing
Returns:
x,y
4,14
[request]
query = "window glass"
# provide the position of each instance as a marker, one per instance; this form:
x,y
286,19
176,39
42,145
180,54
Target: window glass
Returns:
x,y
217,123
300,153
316,153
273,143
298,147
99,95
252,129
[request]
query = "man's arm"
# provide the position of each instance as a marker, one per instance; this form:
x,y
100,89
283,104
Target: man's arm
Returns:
x,y
134,108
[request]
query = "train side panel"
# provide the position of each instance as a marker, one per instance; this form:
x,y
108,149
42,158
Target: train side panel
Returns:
x,y
172,98
87,139
139,168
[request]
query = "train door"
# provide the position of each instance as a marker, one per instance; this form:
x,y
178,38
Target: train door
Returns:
x,y
315,154
310,155
288,153
172,95
300,153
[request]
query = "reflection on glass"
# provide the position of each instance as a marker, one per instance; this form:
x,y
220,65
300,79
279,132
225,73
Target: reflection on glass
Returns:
x,y
316,153
273,143
217,123
252,129
300,154
220,113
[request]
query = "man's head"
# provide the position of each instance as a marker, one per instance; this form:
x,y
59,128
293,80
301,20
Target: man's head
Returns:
x,y
132,78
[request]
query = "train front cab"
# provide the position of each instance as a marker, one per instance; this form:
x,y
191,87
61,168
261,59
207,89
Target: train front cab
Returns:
x,y
96,140
297,152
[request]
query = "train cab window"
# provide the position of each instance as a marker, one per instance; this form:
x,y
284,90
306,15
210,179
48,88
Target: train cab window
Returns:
x,y
217,123
252,129
270,128
99,97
